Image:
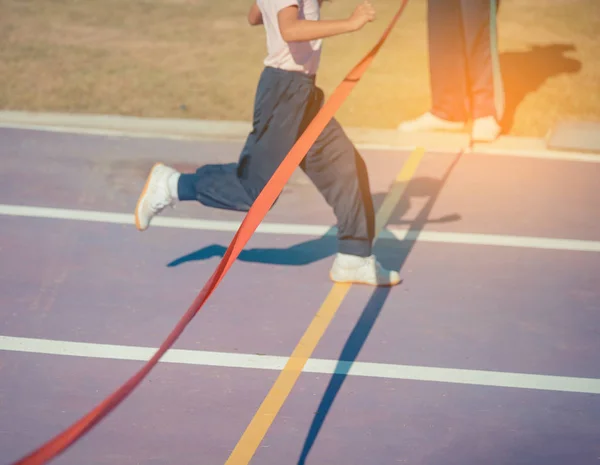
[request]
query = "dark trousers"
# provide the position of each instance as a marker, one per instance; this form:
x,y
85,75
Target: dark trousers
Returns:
x,y
285,103
463,59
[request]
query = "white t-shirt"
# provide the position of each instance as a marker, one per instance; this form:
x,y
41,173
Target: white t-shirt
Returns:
x,y
295,56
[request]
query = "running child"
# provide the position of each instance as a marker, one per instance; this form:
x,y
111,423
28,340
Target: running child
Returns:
x,y
286,101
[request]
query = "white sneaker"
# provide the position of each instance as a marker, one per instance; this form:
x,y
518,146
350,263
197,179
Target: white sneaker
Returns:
x,y
485,129
155,196
430,122
361,270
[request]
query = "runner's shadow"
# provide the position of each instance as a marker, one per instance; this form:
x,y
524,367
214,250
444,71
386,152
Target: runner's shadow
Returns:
x,y
325,246
367,320
525,72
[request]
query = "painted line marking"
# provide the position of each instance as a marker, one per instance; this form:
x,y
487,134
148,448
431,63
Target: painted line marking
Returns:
x,y
531,242
318,366
208,136
279,392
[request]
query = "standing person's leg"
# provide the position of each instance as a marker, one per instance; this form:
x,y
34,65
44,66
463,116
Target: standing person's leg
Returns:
x,y
447,69
339,172
279,108
486,87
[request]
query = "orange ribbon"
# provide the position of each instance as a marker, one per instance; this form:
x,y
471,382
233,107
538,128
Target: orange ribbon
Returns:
x,y
255,215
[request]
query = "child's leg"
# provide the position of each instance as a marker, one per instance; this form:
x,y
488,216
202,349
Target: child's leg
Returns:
x,y
279,115
339,172
279,106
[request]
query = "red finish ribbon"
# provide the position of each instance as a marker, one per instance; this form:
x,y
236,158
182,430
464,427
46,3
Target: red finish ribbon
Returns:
x,y
253,218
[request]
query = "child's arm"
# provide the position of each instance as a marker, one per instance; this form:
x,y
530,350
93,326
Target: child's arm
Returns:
x,y
297,30
254,15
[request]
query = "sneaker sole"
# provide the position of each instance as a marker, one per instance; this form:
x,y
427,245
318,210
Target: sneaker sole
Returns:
x,y
460,128
484,139
364,283
142,197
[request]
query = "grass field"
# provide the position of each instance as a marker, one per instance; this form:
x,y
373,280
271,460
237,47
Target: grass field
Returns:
x,y
200,59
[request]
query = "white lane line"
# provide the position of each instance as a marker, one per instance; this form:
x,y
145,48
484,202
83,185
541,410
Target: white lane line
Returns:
x,y
529,242
322,366
119,352
160,221
305,229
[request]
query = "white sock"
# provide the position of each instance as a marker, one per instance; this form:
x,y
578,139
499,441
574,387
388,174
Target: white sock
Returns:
x,y
173,182
350,260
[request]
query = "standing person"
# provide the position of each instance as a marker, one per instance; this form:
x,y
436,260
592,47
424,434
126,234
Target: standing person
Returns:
x,y
464,69
286,100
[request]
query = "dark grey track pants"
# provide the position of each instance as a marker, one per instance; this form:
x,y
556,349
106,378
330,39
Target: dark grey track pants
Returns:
x,y
285,103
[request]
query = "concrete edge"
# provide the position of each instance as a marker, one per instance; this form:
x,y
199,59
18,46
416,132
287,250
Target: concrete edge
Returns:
x,y
236,131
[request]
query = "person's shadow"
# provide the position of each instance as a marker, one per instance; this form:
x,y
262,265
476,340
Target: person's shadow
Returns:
x,y
396,253
359,334
325,246
525,72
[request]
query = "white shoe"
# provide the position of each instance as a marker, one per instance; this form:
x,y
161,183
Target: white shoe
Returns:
x,y
362,270
430,122
155,196
485,129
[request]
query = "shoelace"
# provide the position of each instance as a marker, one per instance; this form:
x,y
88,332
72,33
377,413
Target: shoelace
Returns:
x,y
160,205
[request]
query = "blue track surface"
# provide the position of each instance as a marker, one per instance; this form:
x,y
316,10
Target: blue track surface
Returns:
x,y
489,308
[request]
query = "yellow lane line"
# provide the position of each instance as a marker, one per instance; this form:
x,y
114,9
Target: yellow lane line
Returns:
x,y
263,418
